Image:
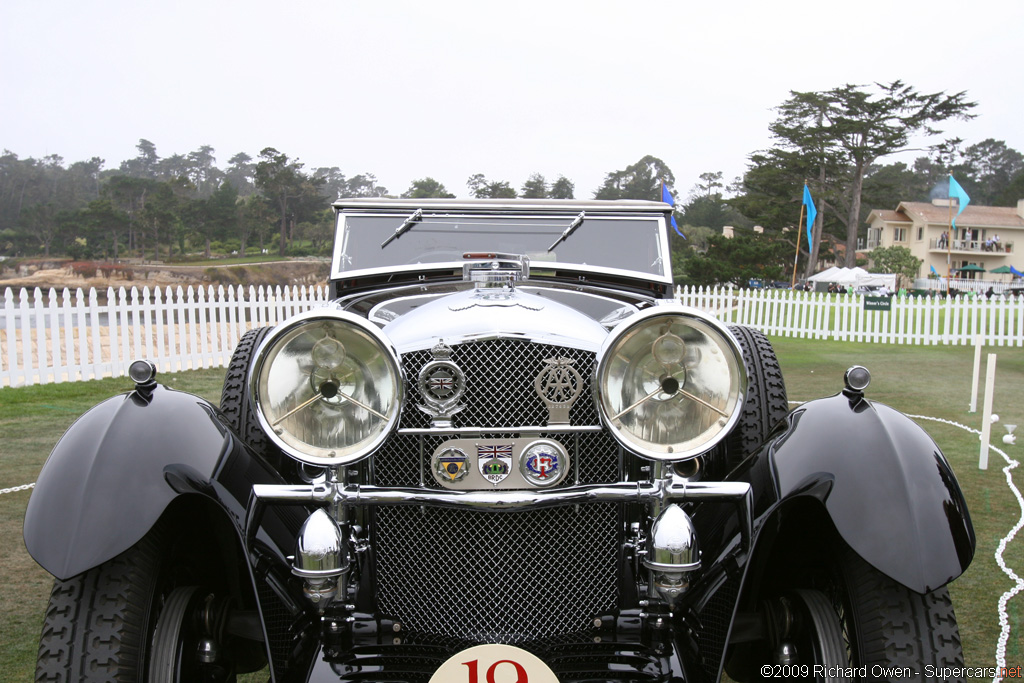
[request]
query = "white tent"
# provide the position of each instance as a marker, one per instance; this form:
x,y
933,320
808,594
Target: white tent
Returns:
x,y
842,276
854,277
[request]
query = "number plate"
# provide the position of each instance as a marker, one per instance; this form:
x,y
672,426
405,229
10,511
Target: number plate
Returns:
x,y
494,664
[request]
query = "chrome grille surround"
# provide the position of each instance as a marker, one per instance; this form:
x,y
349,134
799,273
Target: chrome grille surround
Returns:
x,y
498,576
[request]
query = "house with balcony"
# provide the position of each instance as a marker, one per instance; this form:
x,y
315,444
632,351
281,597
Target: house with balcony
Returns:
x,y
986,237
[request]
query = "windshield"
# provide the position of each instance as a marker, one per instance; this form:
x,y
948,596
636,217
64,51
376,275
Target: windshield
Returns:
x,y
614,244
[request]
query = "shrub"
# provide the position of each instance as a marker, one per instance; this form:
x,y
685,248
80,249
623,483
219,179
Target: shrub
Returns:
x,y
85,269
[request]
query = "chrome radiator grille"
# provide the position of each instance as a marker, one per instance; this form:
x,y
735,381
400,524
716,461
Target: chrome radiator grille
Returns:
x,y
497,576
499,384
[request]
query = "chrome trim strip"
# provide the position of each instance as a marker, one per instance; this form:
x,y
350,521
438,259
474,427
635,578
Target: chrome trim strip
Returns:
x,y
479,431
597,206
657,493
455,268
675,488
450,211
455,340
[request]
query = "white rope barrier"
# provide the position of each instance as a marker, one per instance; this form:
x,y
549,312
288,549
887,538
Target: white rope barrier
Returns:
x,y
17,488
1004,599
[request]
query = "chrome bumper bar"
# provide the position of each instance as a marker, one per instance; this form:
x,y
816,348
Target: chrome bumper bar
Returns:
x,y
670,489
675,489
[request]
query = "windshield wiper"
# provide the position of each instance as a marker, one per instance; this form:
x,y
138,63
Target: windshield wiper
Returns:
x,y
576,222
405,227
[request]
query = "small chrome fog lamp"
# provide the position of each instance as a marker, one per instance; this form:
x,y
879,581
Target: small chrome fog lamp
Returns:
x,y
672,553
320,558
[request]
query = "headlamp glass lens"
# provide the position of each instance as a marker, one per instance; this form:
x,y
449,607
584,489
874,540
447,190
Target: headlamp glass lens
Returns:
x,y
670,385
328,390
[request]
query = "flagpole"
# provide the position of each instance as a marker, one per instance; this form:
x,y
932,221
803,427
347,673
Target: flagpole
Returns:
x,y
796,258
949,242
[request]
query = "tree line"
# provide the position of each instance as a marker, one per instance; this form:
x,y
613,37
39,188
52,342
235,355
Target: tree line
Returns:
x,y
835,141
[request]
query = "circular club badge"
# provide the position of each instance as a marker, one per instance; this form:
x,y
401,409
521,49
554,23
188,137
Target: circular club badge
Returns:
x,y
494,664
544,463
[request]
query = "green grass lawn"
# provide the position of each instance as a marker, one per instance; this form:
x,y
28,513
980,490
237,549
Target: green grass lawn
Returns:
x,y
933,381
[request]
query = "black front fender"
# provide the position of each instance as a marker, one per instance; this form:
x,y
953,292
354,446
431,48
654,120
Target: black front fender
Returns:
x,y
885,484
118,468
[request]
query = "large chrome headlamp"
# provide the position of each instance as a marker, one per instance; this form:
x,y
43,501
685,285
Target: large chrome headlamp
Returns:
x,y
327,387
670,383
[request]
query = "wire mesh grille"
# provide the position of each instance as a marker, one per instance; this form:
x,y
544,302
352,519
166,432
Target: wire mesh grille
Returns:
x,y
715,618
497,576
500,376
278,621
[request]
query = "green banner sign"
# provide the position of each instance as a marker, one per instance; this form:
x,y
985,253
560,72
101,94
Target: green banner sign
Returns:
x,y
877,303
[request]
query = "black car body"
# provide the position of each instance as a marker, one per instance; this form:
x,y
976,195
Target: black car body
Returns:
x,y
502,431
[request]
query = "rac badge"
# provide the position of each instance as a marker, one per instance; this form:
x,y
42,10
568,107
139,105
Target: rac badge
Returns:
x,y
442,384
544,463
558,385
494,461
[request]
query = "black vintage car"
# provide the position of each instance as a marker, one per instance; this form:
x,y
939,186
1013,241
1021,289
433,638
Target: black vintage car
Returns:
x,y
503,452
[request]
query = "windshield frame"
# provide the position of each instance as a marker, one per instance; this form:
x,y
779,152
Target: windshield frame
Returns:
x,y
342,231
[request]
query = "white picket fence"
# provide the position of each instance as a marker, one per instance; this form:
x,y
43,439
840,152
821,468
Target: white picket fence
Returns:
x,y
911,320
64,336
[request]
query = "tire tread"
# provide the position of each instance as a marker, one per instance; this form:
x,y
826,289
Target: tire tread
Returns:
x,y
898,627
234,398
766,402
94,625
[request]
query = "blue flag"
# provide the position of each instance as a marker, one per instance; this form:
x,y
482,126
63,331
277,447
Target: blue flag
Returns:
x,y
666,197
812,213
934,272
958,192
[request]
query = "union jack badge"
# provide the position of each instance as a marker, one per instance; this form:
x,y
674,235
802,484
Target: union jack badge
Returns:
x,y
441,383
494,461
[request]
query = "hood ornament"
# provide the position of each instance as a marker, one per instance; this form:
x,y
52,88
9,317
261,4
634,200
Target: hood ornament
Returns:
x,y
559,385
495,276
442,384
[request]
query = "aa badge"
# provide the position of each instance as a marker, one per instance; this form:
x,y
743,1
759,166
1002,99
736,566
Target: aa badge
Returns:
x,y
559,385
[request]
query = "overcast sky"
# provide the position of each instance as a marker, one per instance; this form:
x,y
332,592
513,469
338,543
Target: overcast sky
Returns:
x,y
405,90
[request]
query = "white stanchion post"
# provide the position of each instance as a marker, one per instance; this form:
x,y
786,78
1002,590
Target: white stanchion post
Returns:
x,y
986,415
977,372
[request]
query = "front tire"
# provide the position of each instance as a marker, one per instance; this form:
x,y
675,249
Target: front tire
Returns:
x,y
97,624
234,398
891,627
125,620
766,403
887,630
